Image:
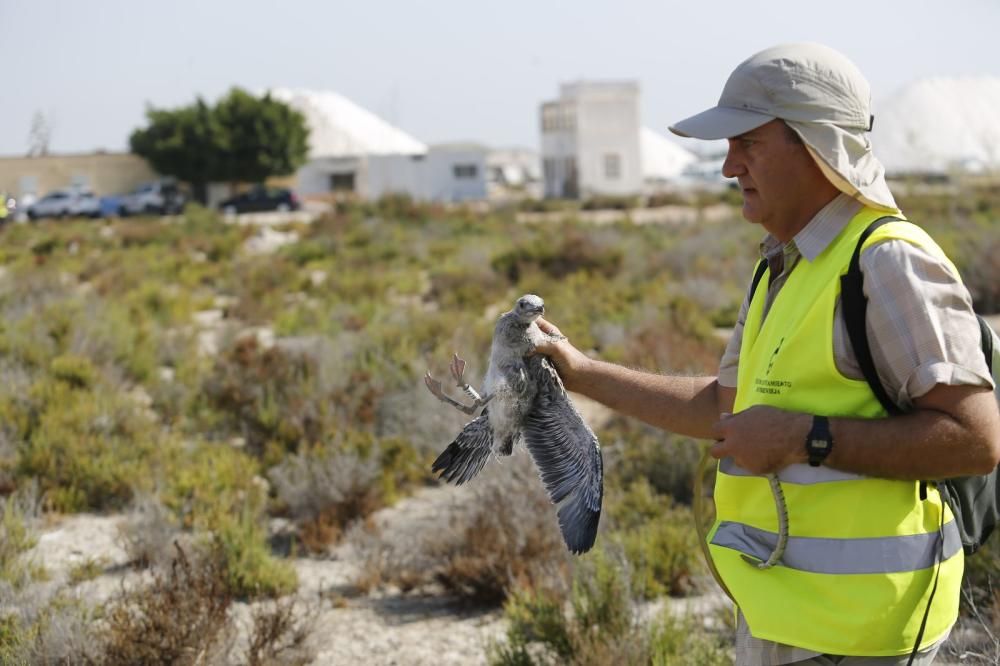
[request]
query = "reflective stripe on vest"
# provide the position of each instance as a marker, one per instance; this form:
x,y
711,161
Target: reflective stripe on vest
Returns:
x,y
799,473
843,556
861,554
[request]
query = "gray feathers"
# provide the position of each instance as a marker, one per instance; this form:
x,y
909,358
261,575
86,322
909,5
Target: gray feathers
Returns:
x,y
568,458
528,403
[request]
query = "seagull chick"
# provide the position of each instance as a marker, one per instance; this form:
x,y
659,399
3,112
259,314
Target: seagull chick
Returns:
x,y
528,403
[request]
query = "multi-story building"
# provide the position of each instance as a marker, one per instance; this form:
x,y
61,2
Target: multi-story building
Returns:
x,y
591,140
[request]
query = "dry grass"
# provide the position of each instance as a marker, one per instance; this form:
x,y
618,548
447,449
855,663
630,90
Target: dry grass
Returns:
x,y
179,618
502,536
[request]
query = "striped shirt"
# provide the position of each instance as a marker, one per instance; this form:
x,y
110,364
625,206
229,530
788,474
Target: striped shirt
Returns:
x,y
921,329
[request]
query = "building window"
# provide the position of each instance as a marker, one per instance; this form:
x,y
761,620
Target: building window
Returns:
x,y
342,182
612,166
465,171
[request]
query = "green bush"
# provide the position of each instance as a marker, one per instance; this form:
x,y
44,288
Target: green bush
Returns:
x,y
87,448
658,539
598,624
16,539
207,483
251,570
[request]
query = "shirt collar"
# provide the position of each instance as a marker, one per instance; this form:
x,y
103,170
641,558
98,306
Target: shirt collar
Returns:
x,y
817,235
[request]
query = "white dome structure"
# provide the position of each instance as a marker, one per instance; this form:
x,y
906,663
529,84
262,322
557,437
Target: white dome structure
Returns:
x,y
662,159
340,128
936,125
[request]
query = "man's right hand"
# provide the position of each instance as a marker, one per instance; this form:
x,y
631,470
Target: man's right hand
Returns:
x,y
569,360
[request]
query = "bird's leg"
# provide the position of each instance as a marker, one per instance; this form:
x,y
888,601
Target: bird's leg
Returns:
x,y
434,386
457,372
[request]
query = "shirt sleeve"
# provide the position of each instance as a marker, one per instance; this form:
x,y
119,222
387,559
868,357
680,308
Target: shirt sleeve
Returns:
x,y
731,357
920,321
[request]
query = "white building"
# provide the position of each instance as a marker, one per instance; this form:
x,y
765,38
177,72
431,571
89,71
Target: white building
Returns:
x,y
343,137
591,140
445,173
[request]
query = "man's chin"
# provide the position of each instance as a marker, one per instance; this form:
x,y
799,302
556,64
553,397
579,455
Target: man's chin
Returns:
x,y
750,214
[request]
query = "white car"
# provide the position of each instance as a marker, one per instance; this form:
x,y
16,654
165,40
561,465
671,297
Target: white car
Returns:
x,y
161,197
66,203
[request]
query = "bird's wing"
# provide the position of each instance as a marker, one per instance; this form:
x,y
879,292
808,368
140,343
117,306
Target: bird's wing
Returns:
x,y
567,455
465,457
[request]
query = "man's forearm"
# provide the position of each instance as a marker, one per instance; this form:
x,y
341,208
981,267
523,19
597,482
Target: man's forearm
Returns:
x,y
925,444
685,405
953,432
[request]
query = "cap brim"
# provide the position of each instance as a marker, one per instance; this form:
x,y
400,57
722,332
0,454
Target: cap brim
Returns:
x,y
720,122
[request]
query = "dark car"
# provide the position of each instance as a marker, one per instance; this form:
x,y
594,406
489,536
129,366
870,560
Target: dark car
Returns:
x,y
261,198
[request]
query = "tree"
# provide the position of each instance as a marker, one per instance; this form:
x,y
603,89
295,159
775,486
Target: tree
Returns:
x,y
266,137
242,138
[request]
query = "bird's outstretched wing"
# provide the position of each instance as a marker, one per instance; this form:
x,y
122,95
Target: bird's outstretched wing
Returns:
x,y
567,455
465,457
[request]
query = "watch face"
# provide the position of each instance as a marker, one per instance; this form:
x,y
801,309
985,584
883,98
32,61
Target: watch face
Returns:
x,y
820,444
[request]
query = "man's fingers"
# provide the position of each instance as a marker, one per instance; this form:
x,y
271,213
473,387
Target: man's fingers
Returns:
x,y
718,450
719,427
547,327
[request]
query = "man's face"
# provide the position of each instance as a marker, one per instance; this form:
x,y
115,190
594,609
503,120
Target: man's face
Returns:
x,y
777,177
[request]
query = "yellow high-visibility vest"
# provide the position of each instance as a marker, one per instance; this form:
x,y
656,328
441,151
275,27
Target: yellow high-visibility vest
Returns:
x,y
862,552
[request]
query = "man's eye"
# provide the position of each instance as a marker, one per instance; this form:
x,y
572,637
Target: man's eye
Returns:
x,y
747,142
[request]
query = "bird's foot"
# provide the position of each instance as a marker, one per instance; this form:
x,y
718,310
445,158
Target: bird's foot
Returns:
x,y
457,368
434,386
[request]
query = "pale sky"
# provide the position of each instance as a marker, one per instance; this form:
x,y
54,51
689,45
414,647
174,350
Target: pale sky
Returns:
x,y
442,70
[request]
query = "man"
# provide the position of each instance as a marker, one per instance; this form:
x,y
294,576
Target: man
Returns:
x,y
854,582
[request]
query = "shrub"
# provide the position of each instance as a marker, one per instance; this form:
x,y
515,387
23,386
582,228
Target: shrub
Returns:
x,y
38,628
87,448
658,539
267,396
251,570
598,624
610,202
184,616
149,531
577,250
501,536
180,617
279,634
17,538
325,489
208,482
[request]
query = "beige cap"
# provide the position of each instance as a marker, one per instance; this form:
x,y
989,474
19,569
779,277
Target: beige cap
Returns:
x,y
821,95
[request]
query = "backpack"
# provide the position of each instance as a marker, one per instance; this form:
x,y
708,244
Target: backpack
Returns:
x,y
972,499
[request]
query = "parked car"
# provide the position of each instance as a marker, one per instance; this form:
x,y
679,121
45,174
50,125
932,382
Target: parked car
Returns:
x,y
160,197
261,198
72,202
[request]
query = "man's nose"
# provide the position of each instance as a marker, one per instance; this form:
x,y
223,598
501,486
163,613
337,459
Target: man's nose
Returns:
x,y
733,166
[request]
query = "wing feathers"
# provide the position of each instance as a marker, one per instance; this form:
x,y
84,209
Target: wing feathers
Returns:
x,y
568,458
465,457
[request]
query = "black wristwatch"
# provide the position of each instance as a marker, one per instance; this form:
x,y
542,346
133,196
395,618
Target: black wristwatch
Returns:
x,y
819,442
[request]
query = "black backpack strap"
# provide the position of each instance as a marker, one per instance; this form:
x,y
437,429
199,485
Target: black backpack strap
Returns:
x,y
854,306
987,342
757,277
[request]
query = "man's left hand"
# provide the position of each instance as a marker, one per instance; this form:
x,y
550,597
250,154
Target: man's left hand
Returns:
x,y
762,439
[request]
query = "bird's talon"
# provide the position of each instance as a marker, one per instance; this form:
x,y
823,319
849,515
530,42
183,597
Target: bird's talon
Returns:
x,y
433,385
458,370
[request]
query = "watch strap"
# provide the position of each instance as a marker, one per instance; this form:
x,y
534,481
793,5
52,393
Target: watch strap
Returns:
x,y
819,442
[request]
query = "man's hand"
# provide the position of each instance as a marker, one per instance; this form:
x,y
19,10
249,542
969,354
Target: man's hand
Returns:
x,y
762,439
569,360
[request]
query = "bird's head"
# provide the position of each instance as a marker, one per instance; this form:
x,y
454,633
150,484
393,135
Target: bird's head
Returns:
x,y
529,308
